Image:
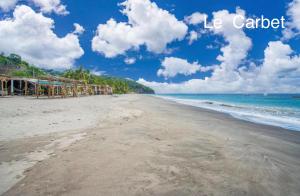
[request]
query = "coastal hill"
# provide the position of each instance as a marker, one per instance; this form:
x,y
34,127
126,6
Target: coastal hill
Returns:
x,y
13,65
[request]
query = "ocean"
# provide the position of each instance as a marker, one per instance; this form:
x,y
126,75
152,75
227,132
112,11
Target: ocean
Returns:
x,y
282,110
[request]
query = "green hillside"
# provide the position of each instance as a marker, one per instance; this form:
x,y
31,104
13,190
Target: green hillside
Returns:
x,y
13,65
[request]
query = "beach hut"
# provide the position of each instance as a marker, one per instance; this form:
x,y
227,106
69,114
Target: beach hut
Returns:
x,y
4,89
49,86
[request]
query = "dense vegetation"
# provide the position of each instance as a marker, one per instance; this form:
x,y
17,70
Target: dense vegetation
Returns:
x,y
119,85
13,65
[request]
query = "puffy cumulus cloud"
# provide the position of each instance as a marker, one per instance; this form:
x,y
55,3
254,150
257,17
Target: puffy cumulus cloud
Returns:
x,y
31,35
114,38
294,11
98,72
172,66
6,5
190,86
229,76
130,61
238,45
278,73
48,6
193,36
195,19
236,49
78,29
293,25
280,70
147,25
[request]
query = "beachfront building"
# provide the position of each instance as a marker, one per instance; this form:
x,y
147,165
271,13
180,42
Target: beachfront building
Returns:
x,y
50,86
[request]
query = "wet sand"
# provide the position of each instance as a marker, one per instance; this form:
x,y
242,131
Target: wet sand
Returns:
x,y
140,145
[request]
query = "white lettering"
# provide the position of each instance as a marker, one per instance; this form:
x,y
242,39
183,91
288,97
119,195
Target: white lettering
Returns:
x,y
205,24
282,22
235,21
275,23
263,21
218,23
250,23
239,22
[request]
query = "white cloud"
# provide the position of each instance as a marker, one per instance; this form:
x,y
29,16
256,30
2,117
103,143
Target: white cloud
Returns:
x,y
225,76
97,72
195,19
172,66
147,25
6,5
212,46
130,61
235,51
46,6
31,35
278,73
280,70
114,38
78,29
293,26
129,79
193,36
294,12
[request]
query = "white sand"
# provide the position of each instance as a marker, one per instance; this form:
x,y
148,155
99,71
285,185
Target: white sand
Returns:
x,y
140,145
13,171
27,117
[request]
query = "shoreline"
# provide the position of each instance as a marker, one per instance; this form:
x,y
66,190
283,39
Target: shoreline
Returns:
x,y
141,145
249,117
277,130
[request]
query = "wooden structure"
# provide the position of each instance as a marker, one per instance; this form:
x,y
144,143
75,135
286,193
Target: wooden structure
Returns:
x,y
4,86
50,86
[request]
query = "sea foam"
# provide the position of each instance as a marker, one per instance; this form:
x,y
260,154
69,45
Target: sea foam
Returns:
x,y
285,117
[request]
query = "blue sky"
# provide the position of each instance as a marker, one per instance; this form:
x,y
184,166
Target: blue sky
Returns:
x,y
96,12
90,14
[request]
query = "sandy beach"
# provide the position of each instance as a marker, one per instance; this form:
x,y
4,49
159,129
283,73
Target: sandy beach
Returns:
x,y
140,145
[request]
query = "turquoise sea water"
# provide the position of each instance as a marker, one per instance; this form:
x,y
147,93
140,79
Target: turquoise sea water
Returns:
x,y
281,110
